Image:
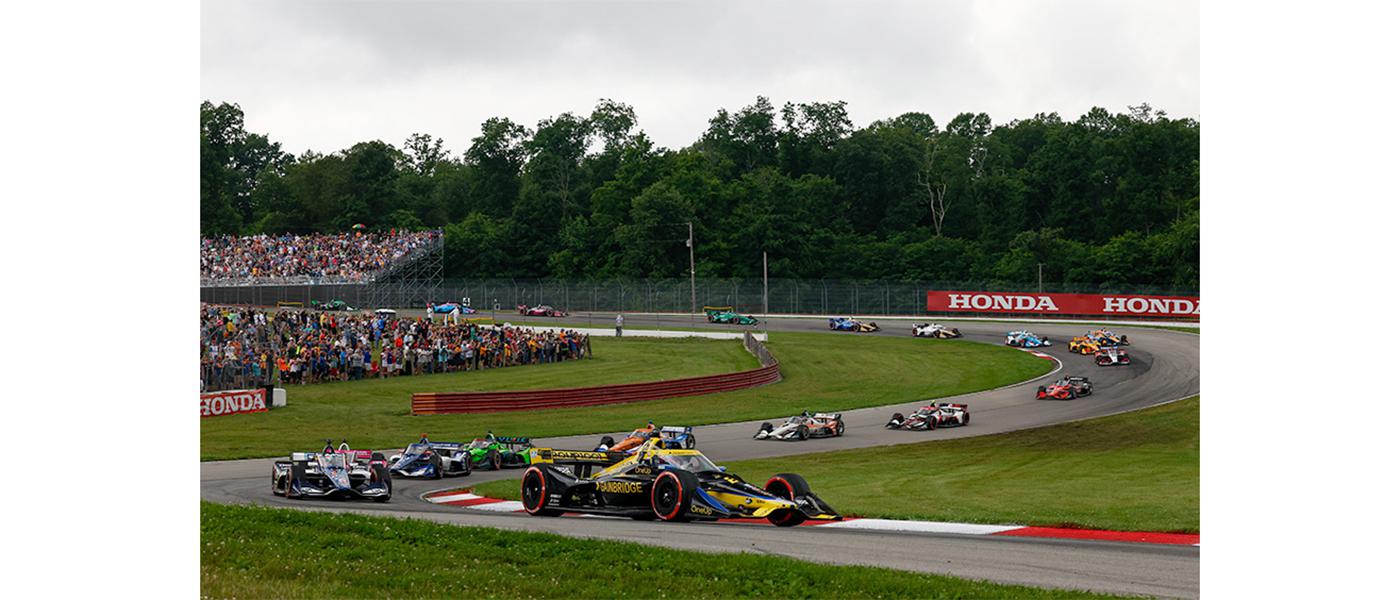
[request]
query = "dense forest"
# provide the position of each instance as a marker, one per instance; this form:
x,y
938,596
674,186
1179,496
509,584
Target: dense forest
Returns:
x,y
1109,198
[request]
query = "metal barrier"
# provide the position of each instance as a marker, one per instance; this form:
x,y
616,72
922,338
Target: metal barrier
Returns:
x,y
438,403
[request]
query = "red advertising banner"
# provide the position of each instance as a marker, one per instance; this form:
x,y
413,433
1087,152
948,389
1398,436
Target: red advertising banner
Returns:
x,y
216,404
1111,305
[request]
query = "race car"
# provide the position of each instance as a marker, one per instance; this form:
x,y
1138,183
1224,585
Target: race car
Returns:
x,y
540,311
661,483
629,443
1105,337
1083,345
804,426
934,330
333,473
678,437
336,305
849,324
726,315
446,308
431,460
1026,339
1111,356
495,452
1067,388
933,416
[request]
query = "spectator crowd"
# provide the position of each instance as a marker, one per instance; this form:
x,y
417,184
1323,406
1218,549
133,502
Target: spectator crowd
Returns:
x,y
245,347
341,257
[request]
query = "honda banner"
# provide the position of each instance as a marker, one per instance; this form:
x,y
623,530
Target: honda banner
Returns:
x,y
1108,305
215,404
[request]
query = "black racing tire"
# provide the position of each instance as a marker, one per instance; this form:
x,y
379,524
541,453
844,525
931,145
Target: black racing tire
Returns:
x,y
895,421
607,442
671,494
803,433
787,486
933,422
437,466
381,473
690,442
296,473
1073,395
765,428
967,417
534,493
493,460
840,428
274,486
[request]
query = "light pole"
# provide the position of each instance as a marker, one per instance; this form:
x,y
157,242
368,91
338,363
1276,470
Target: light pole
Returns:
x,y
765,295
690,243
1040,277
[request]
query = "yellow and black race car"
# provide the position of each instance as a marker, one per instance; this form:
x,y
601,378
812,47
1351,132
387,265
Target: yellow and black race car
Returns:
x,y
661,483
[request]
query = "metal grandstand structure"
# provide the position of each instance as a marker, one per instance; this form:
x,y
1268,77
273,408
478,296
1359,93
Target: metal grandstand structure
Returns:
x,y
409,282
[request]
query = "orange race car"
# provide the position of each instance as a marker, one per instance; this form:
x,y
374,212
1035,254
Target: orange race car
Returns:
x,y
630,442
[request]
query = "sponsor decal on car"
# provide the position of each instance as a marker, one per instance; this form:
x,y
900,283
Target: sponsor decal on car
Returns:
x,y
620,487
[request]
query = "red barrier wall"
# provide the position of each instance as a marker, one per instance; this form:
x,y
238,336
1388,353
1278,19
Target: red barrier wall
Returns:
x,y
440,403
1114,305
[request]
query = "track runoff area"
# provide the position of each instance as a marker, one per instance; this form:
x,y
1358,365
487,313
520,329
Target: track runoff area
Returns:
x,y
1165,368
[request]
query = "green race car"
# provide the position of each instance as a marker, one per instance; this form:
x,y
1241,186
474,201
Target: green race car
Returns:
x,y
726,314
495,452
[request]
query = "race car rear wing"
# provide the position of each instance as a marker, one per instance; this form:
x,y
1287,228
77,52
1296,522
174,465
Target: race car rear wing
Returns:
x,y
512,440
827,416
446,445
672,429
951,405
582,461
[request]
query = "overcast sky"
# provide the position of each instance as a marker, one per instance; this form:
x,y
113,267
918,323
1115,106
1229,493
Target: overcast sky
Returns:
x,y
323,75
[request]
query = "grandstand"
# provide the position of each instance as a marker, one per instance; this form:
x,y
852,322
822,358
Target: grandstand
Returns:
x,y
375,270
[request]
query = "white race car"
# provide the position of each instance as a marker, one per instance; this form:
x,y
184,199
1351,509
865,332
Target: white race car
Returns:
x,y
935,330
1111,356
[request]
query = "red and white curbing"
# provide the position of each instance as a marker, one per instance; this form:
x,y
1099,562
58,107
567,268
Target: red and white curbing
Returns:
x,y
1040,354
475,502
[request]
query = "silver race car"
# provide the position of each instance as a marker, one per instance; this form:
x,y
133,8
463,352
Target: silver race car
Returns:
x,y
937,331
333,473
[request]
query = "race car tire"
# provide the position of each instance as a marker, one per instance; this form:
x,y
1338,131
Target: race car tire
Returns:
x,y
803,433
765,428
607,442
493,460
967,418
296,474
671,493
436,461
381,473
690,442
1040,392
787,486
840,428
897,418
1073,395
274,486
534,492
932,423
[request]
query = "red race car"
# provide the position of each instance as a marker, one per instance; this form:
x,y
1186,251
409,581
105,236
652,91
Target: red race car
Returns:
x,y
541,311
1067,388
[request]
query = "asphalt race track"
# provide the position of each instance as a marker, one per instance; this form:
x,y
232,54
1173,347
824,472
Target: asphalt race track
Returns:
x,y
1166,367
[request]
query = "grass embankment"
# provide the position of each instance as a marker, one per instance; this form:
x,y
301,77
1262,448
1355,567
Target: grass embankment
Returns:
x,y
251,552
1137,471
821,371
375,412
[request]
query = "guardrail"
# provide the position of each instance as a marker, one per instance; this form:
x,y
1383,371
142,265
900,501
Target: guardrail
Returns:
x,y
439,403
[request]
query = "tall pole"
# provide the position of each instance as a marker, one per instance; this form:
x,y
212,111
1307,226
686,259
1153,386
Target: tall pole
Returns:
x,y
1040,277
765,284
690,243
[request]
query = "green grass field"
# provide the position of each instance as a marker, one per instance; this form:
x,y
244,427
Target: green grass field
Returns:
x,y
821,371
1137,471
252,552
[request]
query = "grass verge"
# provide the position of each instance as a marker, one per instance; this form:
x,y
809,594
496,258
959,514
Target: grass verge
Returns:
x,y
255,552
1138,471
821,371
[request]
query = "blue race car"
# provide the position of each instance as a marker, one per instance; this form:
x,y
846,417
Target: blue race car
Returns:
x,y
1026,339
681,438
446,308
432,460
849,324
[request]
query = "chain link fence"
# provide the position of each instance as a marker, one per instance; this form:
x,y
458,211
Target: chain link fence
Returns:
x,y
785,296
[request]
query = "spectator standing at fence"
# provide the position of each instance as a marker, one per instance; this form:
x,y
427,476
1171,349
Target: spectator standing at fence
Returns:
x,y
619,324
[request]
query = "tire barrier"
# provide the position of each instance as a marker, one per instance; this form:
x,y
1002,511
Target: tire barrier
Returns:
x,y
441,403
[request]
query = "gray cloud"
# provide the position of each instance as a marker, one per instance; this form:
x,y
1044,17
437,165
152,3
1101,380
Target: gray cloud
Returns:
x,y
323,75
